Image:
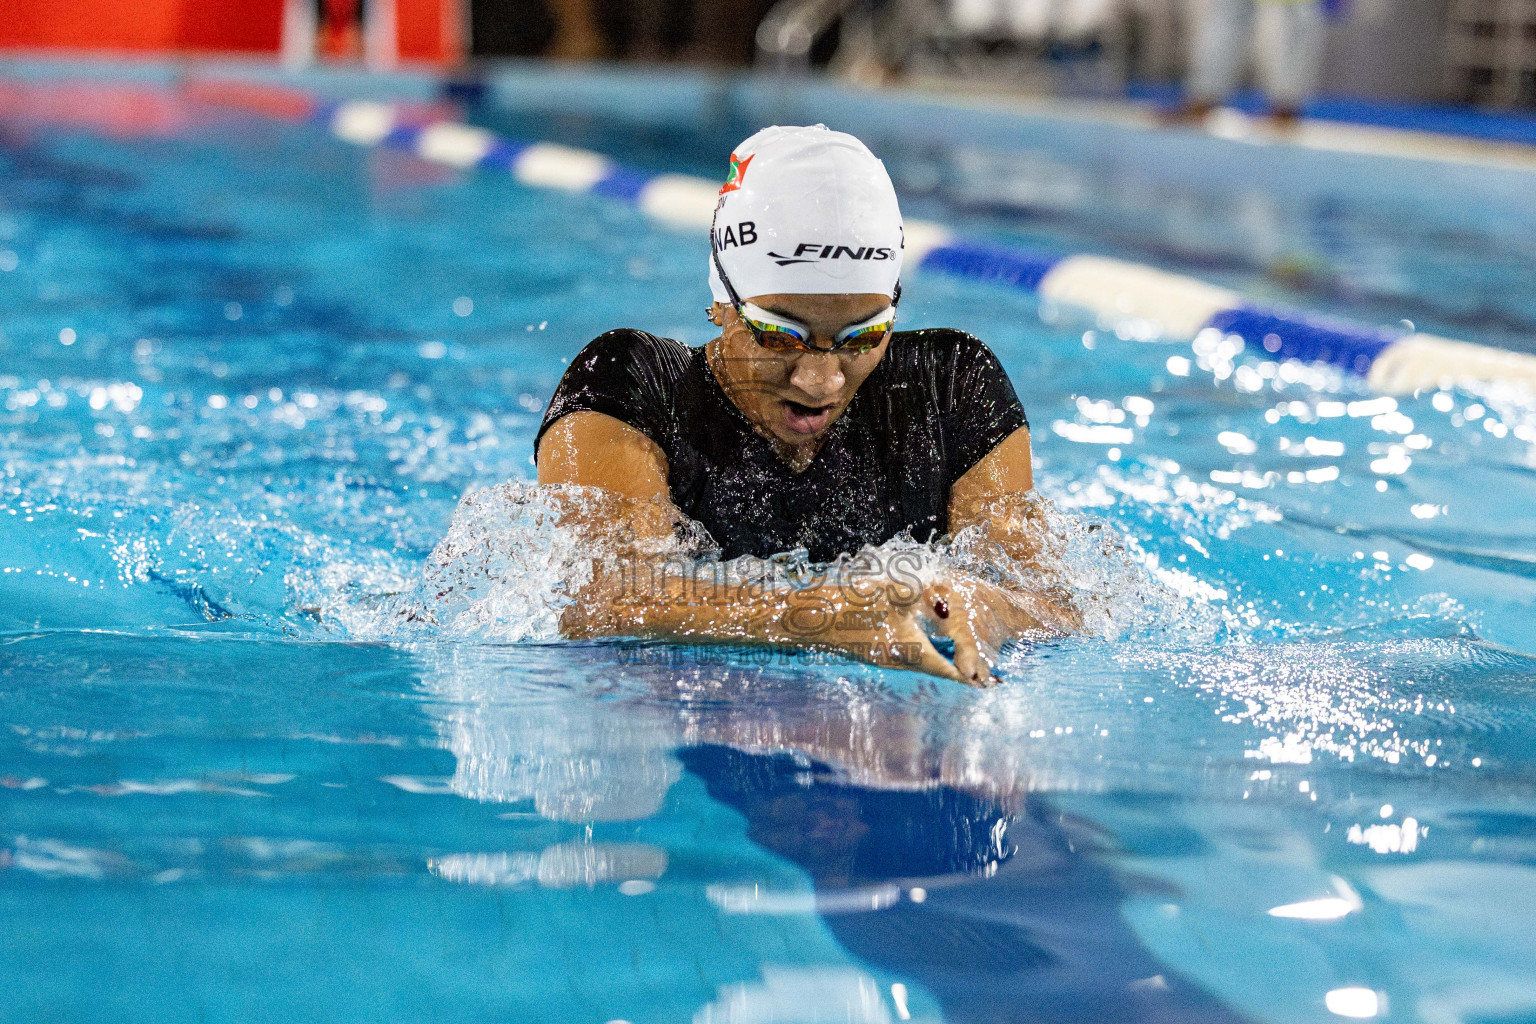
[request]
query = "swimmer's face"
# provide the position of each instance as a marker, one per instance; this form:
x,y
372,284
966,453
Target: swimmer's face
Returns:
x,y
795,396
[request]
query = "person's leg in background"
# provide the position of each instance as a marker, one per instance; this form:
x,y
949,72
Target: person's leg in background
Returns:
x,y
1218,52
1288,44
646,29
1159,40
341,30
576,35
725,33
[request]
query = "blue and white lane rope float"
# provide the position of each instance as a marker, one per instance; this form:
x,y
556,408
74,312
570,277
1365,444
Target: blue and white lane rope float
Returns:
x,y
1137,300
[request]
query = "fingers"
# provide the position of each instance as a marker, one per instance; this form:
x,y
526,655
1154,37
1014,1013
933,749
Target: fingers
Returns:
x,y
930,661
900,641
954,614
974,657
972,664
904,645
935,664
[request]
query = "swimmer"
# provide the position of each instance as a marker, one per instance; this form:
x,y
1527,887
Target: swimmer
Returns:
x,y
809,422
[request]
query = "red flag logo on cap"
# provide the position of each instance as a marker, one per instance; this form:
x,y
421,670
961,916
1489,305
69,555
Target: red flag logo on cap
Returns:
x,y
738,172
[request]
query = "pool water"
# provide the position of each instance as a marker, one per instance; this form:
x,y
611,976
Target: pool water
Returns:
x,y
1360,236
247,373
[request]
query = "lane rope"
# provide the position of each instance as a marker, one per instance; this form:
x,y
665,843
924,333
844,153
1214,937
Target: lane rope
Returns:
x,y
1133,300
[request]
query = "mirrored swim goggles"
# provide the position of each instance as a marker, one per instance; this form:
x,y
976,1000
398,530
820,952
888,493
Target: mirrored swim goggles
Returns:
x,y
779,334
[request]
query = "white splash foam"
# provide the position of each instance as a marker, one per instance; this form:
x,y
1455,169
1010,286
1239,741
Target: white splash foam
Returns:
x,y
510,564
504,572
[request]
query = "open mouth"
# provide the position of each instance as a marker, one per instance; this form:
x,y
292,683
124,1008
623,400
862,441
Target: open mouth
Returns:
x,y
806,419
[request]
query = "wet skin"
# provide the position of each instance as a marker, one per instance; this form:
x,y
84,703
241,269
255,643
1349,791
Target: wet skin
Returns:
x,y
793,397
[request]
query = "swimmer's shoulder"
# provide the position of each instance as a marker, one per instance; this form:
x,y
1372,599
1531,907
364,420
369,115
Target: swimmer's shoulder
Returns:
x,y
633,353
941,351
956,371
627,374
941,338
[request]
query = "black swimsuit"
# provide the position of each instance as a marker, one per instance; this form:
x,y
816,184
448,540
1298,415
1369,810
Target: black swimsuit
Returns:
x,y
937,403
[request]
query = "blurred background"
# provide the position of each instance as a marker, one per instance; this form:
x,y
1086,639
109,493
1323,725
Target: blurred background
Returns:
x,y
1186,56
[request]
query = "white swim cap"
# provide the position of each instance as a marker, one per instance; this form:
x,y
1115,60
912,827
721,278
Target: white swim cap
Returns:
x,y
806,211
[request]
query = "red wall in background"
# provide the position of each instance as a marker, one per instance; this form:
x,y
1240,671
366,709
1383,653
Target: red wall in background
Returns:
x,y
250,25
427,29
230,24
424,30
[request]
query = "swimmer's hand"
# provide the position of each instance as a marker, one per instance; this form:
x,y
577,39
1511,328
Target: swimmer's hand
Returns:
x,y
889,623
977,617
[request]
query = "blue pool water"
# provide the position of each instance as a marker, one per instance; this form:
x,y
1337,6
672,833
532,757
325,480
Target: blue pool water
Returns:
x,y
246,374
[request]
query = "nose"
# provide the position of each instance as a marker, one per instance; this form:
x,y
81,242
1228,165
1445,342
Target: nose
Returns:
x,y
819,375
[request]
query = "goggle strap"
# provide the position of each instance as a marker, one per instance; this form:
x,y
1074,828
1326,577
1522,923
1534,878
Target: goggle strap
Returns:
x,y
714,254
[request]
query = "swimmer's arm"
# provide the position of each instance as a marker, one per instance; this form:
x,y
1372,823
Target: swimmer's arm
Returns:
x,y
997,495
633,505
592,449
991,493
879,623
881,620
